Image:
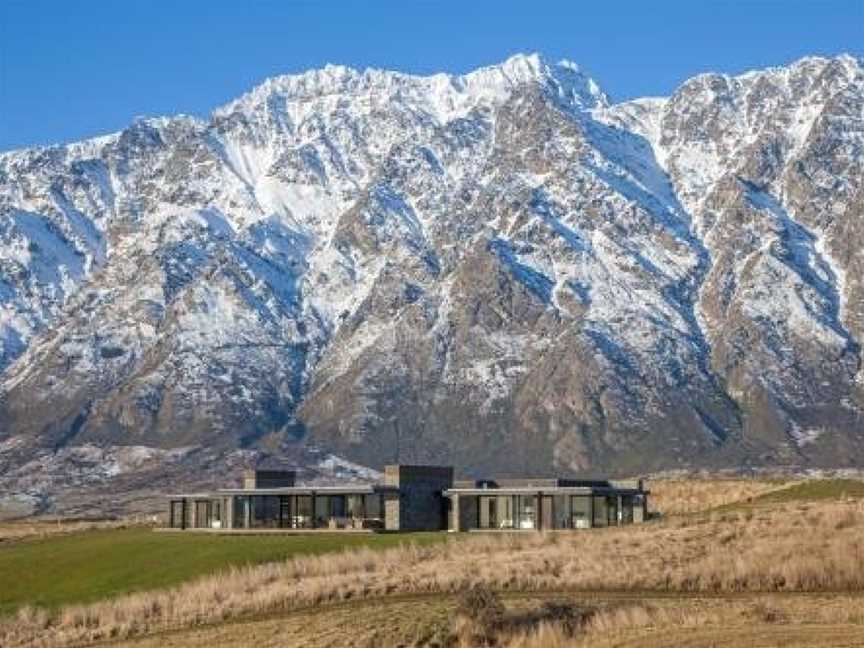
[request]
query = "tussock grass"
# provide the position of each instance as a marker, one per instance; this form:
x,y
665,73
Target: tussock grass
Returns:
x,y
677,496
787,548
612,624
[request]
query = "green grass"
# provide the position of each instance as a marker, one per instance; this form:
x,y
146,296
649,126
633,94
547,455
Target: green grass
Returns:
x,y
91,565
807,491
814,490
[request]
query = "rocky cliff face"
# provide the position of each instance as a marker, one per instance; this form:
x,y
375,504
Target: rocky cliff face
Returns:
x,y
503,270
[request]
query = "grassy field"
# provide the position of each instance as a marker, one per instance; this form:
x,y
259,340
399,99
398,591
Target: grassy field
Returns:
x,y
91,565
736,562
533,620
814,491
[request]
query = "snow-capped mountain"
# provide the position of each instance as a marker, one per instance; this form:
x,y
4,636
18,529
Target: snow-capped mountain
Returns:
x,y
505,270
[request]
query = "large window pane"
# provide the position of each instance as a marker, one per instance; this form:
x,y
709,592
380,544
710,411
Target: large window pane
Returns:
x,y
239,513
322,510
302,512
580,511
337,506
374,507
526,512
627,509
488,512
286,511
561,512
265,511
504,510
176,521
601,511
354,507
612,508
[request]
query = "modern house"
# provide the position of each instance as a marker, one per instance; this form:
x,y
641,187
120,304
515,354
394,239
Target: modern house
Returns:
x,y
410,498
550,504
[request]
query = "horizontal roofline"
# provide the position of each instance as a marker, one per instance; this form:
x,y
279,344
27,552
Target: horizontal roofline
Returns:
x,y
519,490
293,490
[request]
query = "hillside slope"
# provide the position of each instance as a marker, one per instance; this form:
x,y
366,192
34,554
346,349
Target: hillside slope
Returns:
x,y
504,270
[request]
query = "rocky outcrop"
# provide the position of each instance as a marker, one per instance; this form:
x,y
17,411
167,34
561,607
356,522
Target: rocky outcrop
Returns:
x,y
503,270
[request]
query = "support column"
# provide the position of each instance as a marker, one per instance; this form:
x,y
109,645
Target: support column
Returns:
x,y
454,514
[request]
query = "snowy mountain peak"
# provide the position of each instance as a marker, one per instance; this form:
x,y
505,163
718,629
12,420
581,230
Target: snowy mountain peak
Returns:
x,y
445,95
498,268
807,70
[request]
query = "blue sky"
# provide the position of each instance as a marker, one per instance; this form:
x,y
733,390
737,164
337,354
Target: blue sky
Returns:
x,y
70,70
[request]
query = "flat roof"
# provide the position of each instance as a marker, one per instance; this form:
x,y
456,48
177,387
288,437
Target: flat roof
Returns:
x,y
529,490
358,489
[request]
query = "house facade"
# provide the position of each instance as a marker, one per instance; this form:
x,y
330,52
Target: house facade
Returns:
x,y
410,498
545,504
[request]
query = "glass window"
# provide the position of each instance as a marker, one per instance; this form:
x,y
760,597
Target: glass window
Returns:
x,y
240,505
526,511
285,511
176,520
560,512
337,506
302,512
580,511
488,512
354,507
601,511
627,509
322,510
504,512
202,514
374,507
265,511
612,508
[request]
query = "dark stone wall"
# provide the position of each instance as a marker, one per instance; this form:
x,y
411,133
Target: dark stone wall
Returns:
x,y
421,506
268,478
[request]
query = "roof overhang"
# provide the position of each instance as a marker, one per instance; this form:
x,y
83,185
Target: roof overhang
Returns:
x,y
360,489
547,490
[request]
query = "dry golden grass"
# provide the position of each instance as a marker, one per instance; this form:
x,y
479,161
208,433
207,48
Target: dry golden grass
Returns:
x,y
676,496
41,528
779,620
787,548
533,621
409,622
